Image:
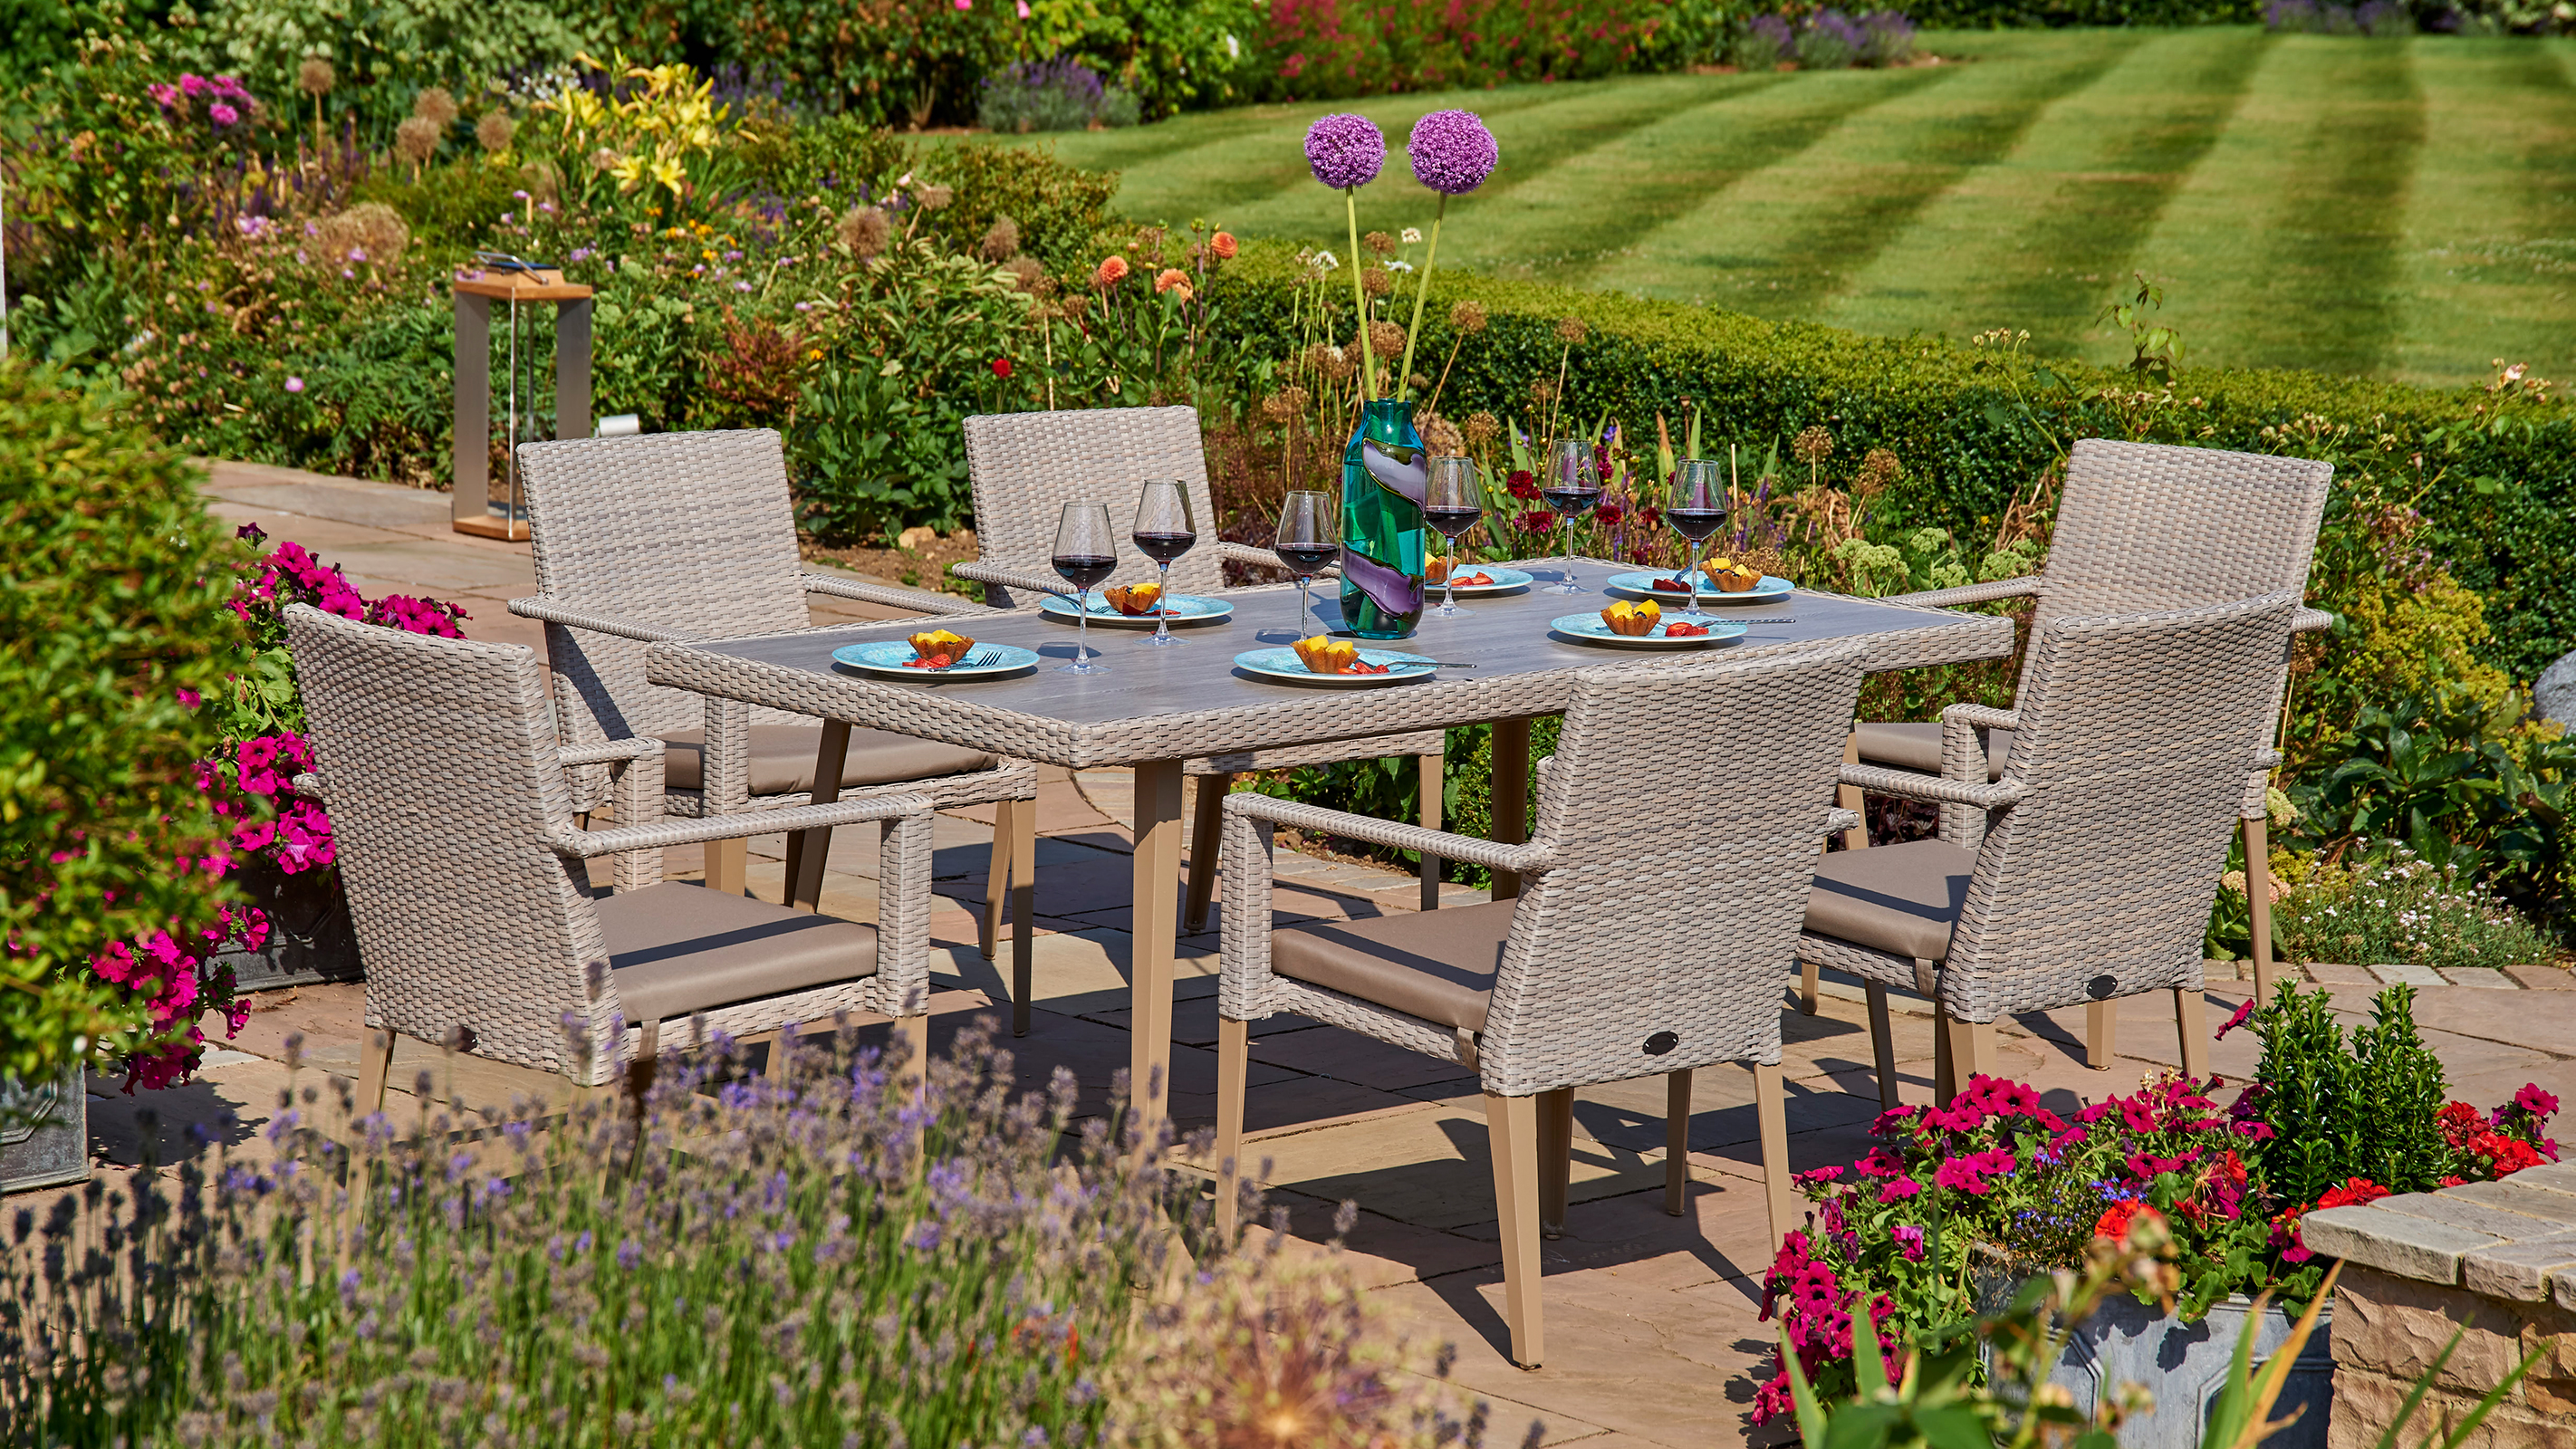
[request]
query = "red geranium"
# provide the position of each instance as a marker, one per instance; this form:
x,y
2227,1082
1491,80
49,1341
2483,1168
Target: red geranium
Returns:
x,y
1001,367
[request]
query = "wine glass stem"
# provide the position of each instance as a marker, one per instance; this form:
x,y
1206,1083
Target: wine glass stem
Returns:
x,y
1082,633
1163,605
1305,605
1694,578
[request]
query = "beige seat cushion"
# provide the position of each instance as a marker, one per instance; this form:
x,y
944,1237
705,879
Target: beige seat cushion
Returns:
x,y
1901,899
1437,965
1918,747
782,759
675,949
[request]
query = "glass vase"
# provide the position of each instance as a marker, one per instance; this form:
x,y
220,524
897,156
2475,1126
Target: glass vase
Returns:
x,y
1385,472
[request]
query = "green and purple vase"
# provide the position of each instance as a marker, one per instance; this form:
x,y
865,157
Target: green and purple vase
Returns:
x,y
1385,474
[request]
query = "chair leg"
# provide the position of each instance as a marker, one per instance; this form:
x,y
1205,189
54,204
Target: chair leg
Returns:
x,y
1945,1075
1511,1126
1677,1117
729,866
2101,1033
910,1039
2258,903
375,1063
1771,1112
1434,777
1882,1044
1555,1158
997,876
1808,971
2190,1020
639,1072
1205,831
1849,797
1233,1059
1024,911
1972,1050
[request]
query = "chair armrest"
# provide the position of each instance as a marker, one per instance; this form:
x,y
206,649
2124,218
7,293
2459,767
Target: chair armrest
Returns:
x,y
2309,621
310,786
920,600
1534,856
2021,587
1262,558
1011,578
584,844
607,750
1879,780
553,612
1978,716
1838,820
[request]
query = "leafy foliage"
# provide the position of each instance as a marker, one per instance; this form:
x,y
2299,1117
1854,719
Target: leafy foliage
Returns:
x,y
112,589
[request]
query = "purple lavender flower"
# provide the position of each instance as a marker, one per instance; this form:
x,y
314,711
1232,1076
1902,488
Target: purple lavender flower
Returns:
x,y
1345,150
1452,152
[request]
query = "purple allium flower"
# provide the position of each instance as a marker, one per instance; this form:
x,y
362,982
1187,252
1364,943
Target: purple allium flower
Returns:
x,y
1345,150
1452,151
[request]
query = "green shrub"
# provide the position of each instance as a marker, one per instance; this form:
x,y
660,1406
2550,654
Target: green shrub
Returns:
x,y
113,583
2369,1108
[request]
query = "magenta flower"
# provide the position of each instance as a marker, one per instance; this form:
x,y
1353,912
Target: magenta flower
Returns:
x,y
1452,152
2535,1101
1345,150
222,114
2239,1019
1899,1190
1910,1239
295,384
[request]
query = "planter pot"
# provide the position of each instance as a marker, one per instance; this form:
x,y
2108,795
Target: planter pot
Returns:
x,y
309,936
2185,1365
44,1132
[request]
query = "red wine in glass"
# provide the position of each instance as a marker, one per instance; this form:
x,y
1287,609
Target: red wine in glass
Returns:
x,y
1162,548
1307,562
1086,570
1086,552
1164,531
1695,524
1452,522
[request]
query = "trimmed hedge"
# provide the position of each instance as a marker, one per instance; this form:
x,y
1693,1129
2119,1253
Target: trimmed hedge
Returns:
x,y
2495,476
2025,14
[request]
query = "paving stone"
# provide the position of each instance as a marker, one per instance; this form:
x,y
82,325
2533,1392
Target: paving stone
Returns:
x,y
2448,1207
2328,974
2557,1208
2518,1271
2406,973
2486,978
2542,977
2394,1243
2556,1176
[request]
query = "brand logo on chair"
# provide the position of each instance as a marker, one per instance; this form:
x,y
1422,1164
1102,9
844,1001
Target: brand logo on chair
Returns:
x,y
1661,1042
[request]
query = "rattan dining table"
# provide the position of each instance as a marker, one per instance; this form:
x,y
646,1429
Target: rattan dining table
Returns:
x,y
1151,708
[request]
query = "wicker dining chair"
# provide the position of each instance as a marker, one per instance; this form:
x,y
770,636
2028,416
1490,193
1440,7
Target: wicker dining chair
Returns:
x,y
692,536
2146,526
1662,893
2082,873
1026,466
469,885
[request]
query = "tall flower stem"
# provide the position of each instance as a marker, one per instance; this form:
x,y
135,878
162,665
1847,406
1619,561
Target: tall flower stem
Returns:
x,y
1359,295
1421,291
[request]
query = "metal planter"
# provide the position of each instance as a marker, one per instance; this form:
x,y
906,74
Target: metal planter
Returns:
x,y
44,1132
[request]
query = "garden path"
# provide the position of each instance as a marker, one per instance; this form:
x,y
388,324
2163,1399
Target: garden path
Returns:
x,y
1653,1328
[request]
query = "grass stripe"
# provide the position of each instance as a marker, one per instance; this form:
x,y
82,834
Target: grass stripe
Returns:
x,y
1783,240
2039,240
2282,248
2490,227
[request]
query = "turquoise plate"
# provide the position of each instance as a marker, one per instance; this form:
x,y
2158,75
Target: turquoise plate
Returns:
x,y
888,656
1588,629
1284,666
1504,582
1642,586
1185,610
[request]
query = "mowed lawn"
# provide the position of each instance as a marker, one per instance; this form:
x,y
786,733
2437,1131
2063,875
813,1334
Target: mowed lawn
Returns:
x,y
2401,209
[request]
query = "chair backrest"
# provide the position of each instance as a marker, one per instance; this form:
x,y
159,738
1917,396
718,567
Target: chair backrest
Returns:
x,y
2145,526
1687,806
441,770
688,532
1026,467
2137,732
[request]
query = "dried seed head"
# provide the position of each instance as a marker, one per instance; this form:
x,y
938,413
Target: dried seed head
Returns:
x,y
494,131
541,181
1149,242
1001,240
370,231
435,106
1378,242
1468,317
315,76
864,230
416,140
1442,437
1388,339
1336,363
1878,468
1483,428
934,198
1027,274
1571,331
1377,281
1813,445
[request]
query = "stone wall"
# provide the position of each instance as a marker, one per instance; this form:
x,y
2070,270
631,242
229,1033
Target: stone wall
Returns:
x,y
2494,1262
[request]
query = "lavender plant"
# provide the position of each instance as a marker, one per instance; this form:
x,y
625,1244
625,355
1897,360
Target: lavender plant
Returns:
x,y
836,1253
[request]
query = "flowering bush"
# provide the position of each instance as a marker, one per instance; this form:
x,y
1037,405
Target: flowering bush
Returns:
x,y
1998,1185
814,1256
2378,909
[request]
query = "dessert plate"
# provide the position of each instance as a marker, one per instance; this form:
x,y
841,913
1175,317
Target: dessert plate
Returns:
x,y
1588,629
1642,586
890,656
1282,666
1184,609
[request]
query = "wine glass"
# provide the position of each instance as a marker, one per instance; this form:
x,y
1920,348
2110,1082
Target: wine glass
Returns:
x,y
1164,531
1086,552
1571,486
1308,538
1698,509
1452,503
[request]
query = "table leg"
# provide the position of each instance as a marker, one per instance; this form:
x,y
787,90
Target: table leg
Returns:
x,y
807,849
1156,923
1511,796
